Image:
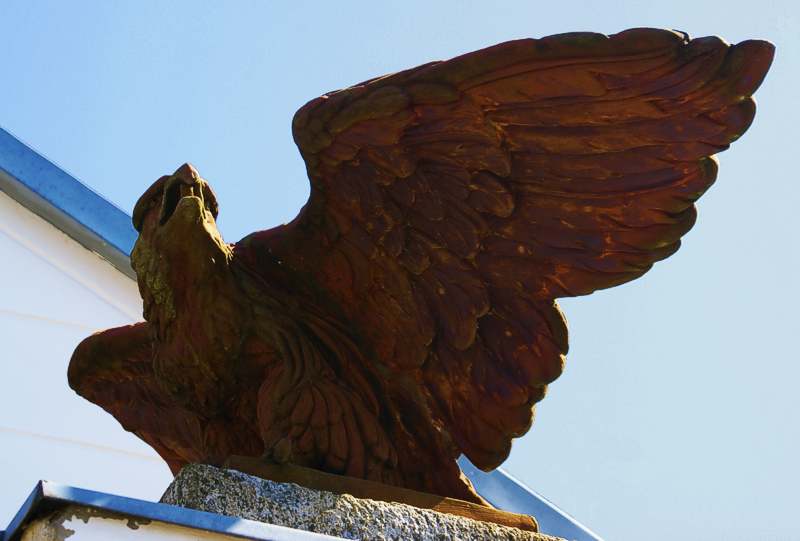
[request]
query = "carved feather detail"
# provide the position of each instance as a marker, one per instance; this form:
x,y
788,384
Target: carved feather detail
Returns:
x,y
451,204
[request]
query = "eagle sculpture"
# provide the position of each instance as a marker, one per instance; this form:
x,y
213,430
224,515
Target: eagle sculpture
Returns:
x,y
408,315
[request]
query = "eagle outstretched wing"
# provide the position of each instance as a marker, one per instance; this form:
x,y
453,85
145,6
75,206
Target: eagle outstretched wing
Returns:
x,y
452,203
114,369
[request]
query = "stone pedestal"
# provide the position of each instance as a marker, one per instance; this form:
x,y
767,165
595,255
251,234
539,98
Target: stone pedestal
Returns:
x,y
232,493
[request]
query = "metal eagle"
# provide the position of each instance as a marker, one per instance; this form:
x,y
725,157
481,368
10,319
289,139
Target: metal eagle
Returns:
x,y
408,315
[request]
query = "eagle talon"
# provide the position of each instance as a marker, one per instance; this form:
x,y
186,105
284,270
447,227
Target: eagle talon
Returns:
x,y
281,453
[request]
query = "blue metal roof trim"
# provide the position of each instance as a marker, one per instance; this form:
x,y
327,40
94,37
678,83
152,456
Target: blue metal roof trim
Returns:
x,y
509,494
48,493
62,200
100,226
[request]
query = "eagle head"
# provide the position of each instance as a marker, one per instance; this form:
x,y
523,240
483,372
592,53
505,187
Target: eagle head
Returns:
x,y
179,248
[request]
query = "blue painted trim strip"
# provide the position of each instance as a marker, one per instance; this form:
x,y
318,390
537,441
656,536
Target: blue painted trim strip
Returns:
x,y
47,492
25,512
62,200
509,494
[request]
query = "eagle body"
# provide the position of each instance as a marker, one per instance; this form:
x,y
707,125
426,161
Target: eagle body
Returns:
x,y
408,314
269,367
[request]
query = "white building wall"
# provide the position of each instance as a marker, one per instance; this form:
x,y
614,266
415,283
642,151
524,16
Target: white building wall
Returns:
x,y
53,293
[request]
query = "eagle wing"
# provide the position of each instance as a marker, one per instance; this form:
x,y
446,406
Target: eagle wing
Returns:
x,y
114,369
453,202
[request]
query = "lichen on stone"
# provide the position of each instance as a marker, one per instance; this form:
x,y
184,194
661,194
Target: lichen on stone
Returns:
x,y
232,493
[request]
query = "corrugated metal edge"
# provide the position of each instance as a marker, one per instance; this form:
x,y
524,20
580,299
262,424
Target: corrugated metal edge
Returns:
x,y
59,198
48,495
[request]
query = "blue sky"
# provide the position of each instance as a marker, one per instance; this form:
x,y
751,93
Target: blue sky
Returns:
x,y
677,411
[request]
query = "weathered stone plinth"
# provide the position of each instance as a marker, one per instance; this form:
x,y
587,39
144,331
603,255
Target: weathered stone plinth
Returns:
x,y
229,492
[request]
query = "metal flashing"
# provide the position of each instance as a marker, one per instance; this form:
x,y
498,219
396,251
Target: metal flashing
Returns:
x,y
507,493
47,496
59,198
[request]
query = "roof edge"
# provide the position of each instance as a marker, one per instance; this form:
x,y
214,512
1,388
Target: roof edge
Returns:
x,y
47,493
60,199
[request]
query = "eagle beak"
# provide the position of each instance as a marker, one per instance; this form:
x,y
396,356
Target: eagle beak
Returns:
x,y
186,182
